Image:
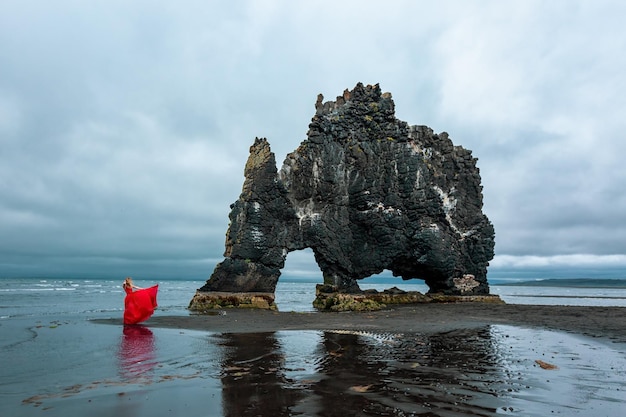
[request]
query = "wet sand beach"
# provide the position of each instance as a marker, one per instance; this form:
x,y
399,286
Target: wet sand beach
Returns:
x,y
602,322
444,360
420,360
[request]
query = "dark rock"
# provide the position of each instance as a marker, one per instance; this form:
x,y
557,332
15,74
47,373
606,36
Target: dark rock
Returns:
x,y
394,291
366,192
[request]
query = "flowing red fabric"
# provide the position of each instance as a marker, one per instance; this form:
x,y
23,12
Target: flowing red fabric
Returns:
x,y
140,304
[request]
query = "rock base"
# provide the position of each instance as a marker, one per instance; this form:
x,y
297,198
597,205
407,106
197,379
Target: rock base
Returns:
x,y
328,299
206,301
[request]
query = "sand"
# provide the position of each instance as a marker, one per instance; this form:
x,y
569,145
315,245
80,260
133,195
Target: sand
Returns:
x,y
608,323
423,360
446,360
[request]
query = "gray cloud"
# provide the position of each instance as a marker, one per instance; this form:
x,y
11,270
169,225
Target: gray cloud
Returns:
x,y
125,126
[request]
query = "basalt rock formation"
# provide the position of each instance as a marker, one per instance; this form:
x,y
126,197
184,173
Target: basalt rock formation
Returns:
x,y
367,193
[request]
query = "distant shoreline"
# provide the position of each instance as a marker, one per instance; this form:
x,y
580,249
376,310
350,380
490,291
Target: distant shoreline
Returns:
x,y
594,297
569,282
388,281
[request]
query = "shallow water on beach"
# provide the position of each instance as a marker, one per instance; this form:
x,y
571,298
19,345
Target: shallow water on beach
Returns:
x,y
57,361
85,368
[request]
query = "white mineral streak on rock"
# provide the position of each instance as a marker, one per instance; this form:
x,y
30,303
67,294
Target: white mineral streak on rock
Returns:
x,y
256,234
306,211
381,208
449,205
427,153
414,147
316,172
418,179
392,210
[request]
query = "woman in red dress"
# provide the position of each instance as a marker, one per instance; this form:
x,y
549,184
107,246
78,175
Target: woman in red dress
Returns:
x,y
138,305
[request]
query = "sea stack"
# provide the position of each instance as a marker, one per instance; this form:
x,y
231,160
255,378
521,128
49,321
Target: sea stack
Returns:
x,y
367,193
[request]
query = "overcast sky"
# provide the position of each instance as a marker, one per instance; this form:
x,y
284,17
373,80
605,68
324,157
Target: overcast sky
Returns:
x,y
125,125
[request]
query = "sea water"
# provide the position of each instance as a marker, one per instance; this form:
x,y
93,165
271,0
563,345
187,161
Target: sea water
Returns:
x,y
56,360
35,297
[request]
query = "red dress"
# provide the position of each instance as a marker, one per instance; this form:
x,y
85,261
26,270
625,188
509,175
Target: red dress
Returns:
x,y
139,305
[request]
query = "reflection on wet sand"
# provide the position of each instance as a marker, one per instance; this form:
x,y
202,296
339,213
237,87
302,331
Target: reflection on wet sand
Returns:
x,y
360,373
454,373
136,355
253,376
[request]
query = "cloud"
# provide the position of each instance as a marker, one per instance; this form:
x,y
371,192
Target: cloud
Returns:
x,y
541,87
559,266
559,261
125,126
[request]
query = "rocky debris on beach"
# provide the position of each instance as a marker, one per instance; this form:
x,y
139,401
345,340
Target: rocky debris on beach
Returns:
x,y
210,300
327,298
367,193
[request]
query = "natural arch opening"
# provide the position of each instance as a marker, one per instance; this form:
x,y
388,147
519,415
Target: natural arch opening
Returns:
x,y
295,290
386,280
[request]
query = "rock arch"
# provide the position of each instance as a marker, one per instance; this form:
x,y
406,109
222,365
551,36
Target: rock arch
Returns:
x,y
366,192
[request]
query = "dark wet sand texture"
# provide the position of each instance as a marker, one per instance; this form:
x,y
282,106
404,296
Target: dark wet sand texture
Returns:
x,y
603,322
428,360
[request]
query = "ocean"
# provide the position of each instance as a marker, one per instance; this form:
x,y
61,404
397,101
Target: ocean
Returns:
x,y
34,297
58,360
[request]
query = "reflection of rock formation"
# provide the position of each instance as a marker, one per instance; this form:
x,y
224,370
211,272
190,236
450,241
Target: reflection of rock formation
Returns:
x,y
253,379
366,192
360,373
136,355
411,374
